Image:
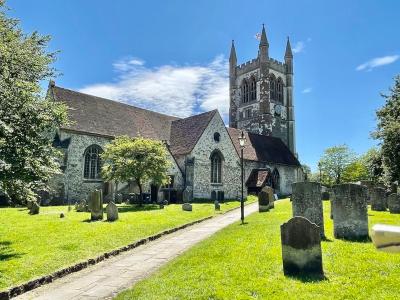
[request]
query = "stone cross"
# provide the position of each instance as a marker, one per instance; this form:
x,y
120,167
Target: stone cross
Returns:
x,y
394,203
307,203
112,212
96,205
301,248
350,213
378,199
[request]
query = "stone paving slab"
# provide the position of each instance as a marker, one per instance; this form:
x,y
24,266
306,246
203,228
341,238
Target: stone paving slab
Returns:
x,y
108,278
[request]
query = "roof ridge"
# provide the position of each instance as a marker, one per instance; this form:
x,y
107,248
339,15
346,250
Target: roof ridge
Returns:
x,y
118,102
198,115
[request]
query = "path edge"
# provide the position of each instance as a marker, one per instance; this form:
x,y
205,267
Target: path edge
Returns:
x,y
43,280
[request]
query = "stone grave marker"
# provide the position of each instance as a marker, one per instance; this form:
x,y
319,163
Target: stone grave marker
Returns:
x,y
96,205
301,247
187,195
307,202
112,212
350,215
34,210
217,206
187,207
394,203
265,199
378,199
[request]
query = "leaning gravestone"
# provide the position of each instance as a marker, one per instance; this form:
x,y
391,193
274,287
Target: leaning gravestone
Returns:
x,y
96,205
34,210
350,214
112,212
187,195
187,207
378,199
307,203
301,247
394,203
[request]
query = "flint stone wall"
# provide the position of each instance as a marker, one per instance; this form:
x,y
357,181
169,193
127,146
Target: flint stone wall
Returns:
x,y
301,247
307,203
350,213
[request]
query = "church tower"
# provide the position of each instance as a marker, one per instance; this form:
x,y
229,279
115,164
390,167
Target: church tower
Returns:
x,y
261,94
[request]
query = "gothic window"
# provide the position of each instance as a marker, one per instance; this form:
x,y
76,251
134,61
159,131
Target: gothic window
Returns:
x,y
253,89
92,165
272,88
216,167
279,90
275,179
245,91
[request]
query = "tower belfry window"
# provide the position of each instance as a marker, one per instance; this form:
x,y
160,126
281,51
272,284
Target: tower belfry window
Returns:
x,y
245,92
279,90
253,89
272,88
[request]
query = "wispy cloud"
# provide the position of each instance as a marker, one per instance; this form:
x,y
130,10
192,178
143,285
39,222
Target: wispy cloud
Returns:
x,y
179,90
299,47
306,90
377,62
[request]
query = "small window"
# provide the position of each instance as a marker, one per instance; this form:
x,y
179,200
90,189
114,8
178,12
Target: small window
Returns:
x,y
217,136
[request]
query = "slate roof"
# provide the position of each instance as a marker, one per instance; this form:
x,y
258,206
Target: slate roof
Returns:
x,y
264,148
258,177
91,114
186,132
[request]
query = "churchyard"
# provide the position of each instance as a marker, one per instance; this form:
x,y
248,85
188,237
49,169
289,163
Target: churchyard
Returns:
x,y
36,245
245,262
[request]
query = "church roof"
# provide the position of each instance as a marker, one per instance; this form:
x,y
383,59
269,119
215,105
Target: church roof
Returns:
x,y
186,132
95,115
263,148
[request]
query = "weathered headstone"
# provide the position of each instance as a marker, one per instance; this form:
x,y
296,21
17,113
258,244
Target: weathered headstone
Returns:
x,y
96,205
350,215
81,206
29,204
378,199
217,206
187,195
271,195
370,186
307,203
112,212
62,215
394,203
187,207
34,210
301,247
265,199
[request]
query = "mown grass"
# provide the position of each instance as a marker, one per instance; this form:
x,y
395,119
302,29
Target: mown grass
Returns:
x,y
244,262
32,246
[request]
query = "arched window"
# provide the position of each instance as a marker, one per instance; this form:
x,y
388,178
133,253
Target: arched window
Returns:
x,y
245,91
253,89
216,167
275,179
92,165
272,88
279,90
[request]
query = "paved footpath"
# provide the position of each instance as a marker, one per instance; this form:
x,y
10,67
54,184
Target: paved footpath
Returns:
x,y
109,277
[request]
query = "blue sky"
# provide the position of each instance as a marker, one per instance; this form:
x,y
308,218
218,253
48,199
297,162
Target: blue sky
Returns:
x,y
170,56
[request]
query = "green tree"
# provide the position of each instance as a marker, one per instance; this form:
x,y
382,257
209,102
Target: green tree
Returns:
x,y
388,132
306,171
27,120
333,163
355,171
139,160
372,160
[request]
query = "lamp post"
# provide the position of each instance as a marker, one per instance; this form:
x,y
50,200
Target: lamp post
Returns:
x,y
242,142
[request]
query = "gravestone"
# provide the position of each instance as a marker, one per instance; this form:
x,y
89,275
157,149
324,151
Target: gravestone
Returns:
x,y
394,203
187,195
34,210
96,205
264,200
112,212
301,247
187,207
370,186
217,206
62,215
307,202
271,195
378,199
29,204
350,214
81,206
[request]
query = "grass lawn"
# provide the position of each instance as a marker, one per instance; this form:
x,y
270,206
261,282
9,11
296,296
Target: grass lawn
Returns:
x,y
244,262
32,246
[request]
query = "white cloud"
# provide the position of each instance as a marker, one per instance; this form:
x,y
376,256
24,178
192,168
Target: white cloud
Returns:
x,y
378,62
307,90
170,89
299,47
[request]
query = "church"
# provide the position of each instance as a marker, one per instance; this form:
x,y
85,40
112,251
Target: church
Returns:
x,y
204,152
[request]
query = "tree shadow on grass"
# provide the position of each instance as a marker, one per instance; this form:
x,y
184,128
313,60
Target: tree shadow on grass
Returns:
x,y
325,239
7,252
357,240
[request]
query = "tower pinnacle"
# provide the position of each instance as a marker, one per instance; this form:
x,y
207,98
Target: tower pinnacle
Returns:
x,y
288,52
263,39
232,56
